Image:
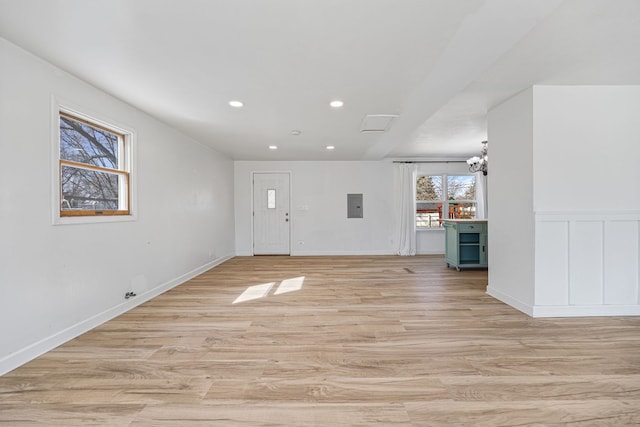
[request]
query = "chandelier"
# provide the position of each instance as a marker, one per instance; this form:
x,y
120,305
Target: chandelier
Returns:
x,y
479,164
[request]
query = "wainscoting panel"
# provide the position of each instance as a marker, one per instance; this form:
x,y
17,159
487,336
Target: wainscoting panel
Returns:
x,y
552,263
587,264
621,262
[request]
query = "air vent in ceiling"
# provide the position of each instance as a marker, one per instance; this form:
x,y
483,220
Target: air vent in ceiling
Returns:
x,y
377,122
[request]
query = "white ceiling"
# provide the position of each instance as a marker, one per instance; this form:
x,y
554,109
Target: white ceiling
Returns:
x,y
439,65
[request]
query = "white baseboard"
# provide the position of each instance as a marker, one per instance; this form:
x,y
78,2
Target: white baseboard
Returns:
x,y
586,310
340,253
517,304
36,349
328,253
566,310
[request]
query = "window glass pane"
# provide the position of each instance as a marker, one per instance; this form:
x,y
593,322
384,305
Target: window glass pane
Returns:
x,y
428,215
271,199
82,143
461,187
84,189
429,188
462,210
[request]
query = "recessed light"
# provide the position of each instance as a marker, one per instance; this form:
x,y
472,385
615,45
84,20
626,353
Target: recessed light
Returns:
x,y
330,147
336,104
273,147
236,104
296,132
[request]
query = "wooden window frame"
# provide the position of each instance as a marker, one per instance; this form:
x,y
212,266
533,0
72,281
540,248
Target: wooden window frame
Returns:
x,y
124,154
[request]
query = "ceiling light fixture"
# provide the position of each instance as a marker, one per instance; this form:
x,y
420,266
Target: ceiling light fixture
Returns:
x,y
331,147
296,132
273,147
236,104
479,164
336,103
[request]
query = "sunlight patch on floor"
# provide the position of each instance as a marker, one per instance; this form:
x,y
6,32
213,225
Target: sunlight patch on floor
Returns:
x,y
261,291
254,292
290,285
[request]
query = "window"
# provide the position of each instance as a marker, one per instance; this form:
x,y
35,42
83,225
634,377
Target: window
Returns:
x,y
94,168
271,199
440,197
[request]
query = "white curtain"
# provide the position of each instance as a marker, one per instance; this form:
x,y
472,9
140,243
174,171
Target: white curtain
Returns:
x,y
482,211
406,189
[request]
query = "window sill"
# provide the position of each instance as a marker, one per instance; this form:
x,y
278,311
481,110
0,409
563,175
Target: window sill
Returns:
x,y
430,230
94,219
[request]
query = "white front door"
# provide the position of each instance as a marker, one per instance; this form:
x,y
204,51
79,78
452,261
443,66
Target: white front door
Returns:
x,y
271,219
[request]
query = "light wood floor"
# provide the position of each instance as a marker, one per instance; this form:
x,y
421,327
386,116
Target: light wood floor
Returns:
x,y
389,341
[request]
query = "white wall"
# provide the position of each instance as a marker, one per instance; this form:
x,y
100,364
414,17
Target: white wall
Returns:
x,y
430,242
593,134
57,281
511,232
319,223
572,151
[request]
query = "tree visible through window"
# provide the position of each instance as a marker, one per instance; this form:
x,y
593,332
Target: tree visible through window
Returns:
x,y
94,177
440,197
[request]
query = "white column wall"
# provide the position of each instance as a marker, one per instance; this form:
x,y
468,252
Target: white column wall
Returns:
x,y
576,149
58,281
586,199
511,232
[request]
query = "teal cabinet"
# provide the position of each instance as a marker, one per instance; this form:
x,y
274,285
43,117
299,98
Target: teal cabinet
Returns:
x,y
466,243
